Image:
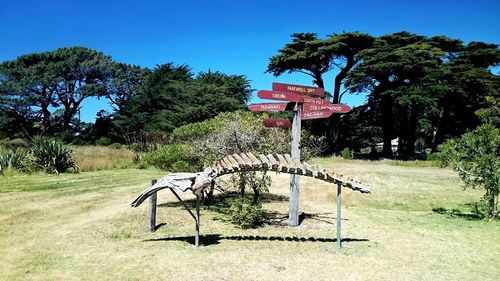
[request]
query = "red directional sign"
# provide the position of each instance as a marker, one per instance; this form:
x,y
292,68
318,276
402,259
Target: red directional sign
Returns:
x,y
277,123
307,115
316,101
273,95
264,107
334,108
299,89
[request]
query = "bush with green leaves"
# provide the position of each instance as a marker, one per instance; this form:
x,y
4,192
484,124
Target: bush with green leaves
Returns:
x,y
241,131
52,156
13,158
476,158
244,212
346,153
173,158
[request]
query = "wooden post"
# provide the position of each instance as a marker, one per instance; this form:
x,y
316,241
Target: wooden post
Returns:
x,y
197,230
339,216
152,210
293,209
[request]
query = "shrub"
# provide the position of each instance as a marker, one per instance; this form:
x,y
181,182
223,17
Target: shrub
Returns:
x,y
173,158
103,141
52,156
475,157
14,143
346,153
244,213
116,146
13,159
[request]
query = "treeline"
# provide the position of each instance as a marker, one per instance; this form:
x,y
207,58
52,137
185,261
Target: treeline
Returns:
x,y
421,90
42,94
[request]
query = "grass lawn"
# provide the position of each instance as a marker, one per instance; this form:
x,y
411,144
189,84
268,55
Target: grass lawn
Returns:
x,y
80,227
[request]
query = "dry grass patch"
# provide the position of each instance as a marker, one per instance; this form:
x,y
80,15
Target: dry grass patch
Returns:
x,y
95,158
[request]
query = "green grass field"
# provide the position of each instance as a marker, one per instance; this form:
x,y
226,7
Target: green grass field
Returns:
x,y
80,227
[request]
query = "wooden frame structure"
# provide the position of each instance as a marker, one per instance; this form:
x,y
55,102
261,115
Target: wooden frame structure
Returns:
x,y
202,182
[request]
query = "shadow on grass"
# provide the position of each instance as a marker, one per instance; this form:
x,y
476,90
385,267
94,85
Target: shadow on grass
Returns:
x,y
214,239
281,219
475,214
218,204
218,200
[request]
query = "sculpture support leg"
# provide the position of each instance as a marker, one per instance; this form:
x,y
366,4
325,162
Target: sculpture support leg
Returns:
x,y
196,216
152,210
339,216
197,230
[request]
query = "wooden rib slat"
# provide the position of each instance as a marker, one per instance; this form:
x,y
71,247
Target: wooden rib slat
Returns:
x,y
240,161
283,164
255,162
272,162
291,164
264,162
233,162
248,161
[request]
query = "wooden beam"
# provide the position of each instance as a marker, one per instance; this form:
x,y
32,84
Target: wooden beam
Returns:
x,y
152,209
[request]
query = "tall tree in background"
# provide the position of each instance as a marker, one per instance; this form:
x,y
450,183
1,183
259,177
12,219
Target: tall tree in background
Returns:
x,y
313,56
29,81
464,84
124,84
391,72
81,73
415,80
172,96
58,79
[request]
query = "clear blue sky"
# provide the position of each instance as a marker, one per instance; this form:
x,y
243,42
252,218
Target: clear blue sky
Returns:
x,y
235,37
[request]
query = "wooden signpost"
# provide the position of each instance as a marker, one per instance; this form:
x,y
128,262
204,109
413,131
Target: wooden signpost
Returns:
x,y
307,106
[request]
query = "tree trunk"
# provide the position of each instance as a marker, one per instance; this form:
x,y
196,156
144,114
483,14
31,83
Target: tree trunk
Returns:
x,y
386,109
411,131
333,122
45,117
70,110
439,134
318,80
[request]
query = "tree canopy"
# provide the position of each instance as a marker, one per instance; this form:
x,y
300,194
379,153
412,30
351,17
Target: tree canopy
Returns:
x,y
172,96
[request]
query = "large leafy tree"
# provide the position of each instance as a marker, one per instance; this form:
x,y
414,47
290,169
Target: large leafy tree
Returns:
x,y
57,79
124,84
424,87
314,57
464,83
172,96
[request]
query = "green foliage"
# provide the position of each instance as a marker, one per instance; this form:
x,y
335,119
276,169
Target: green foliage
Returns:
x,y
104,141
13,158
52,156
424,87
346,153
171,96
173,158
244,213
232,132
476,158
312,56
62,78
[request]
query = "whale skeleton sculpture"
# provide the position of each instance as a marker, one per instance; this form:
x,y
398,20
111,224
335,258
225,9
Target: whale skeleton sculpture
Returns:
x,y
202,182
